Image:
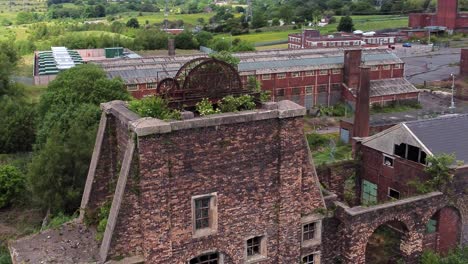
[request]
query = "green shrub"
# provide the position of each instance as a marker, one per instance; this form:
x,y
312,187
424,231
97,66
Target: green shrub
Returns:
x,y
234,104
153,106
4,255
205,107
60,219
12,184
102,217
339,109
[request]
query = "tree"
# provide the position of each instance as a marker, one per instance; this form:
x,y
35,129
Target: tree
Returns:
x,y
185,40
100,11
258,20
220,44
346,24
133,23
69,114
242,45
226,56
204,37
12,183
8,60
17,132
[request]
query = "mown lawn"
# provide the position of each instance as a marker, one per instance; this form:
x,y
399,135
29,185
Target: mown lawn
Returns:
x,y
158,17
364,23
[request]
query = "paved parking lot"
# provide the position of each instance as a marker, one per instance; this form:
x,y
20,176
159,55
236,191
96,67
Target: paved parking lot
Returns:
x,y
422,64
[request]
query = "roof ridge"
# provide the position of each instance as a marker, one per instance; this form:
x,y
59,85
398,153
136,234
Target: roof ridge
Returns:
x,y
448,116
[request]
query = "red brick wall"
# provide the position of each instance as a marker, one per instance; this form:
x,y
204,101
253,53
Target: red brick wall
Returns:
x,y
262,176
464,62
386,177
449,229
447,11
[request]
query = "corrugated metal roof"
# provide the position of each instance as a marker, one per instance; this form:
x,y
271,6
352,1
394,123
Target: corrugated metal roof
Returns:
x,y
261,62
389,87
447,134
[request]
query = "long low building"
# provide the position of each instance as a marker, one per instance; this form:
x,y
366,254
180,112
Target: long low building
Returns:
x,y
307,77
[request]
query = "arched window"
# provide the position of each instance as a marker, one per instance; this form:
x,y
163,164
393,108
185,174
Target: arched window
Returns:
x,y
209,258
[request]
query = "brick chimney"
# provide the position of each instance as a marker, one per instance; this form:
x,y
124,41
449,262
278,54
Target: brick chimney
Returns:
x,y
361,117
464,62
352,62
447,13
171,46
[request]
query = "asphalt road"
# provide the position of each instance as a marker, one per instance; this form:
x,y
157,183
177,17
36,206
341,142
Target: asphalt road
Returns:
x,y
421,64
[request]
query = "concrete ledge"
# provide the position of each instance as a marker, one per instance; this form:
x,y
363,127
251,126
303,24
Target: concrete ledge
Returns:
x,y
362,210
148,126
289,109
120,111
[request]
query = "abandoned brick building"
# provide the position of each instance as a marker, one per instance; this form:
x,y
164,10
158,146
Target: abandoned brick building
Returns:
x,y
447,16
306,77
240,187
311,39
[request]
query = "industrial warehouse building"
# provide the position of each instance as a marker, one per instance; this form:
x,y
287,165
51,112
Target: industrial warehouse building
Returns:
x,y
447,16
306,77
47,64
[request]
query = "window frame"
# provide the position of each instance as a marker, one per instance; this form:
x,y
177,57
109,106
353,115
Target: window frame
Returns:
x,y
388,157
317,239
151,85
212,214
220,256
262,254
296,74
281,75
309,73
323,72
132,89
336,71
266,77
391,189
316,258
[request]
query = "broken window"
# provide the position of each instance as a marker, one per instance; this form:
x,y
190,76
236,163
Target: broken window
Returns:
x,y
400,150
393,193
210,258
410,152
388,161
413,153
423,157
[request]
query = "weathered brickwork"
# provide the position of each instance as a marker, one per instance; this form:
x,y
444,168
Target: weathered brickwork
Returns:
x,y
334,176
260,171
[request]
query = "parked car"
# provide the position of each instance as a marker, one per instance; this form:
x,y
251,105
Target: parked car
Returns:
x,y
407,45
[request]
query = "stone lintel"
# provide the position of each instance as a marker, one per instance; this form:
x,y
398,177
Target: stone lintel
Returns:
x,y
362,210
148,126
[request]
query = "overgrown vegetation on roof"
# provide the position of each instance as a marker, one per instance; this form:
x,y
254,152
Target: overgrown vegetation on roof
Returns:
x,y
328,148
395,107
226,104
154,106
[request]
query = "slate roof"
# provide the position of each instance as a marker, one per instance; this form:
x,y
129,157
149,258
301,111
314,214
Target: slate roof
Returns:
x,y
262,62
447,134
389,87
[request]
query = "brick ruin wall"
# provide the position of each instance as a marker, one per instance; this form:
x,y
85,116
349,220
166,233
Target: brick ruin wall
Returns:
x,y
254,169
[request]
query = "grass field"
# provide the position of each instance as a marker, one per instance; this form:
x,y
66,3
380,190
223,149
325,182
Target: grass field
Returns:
x,y
159,17
364,23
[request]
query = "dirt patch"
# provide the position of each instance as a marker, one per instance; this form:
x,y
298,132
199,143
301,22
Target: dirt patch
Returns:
x,y
70,243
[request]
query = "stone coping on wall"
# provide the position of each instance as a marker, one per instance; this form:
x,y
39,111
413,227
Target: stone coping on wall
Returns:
x,y
149,126
357,210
